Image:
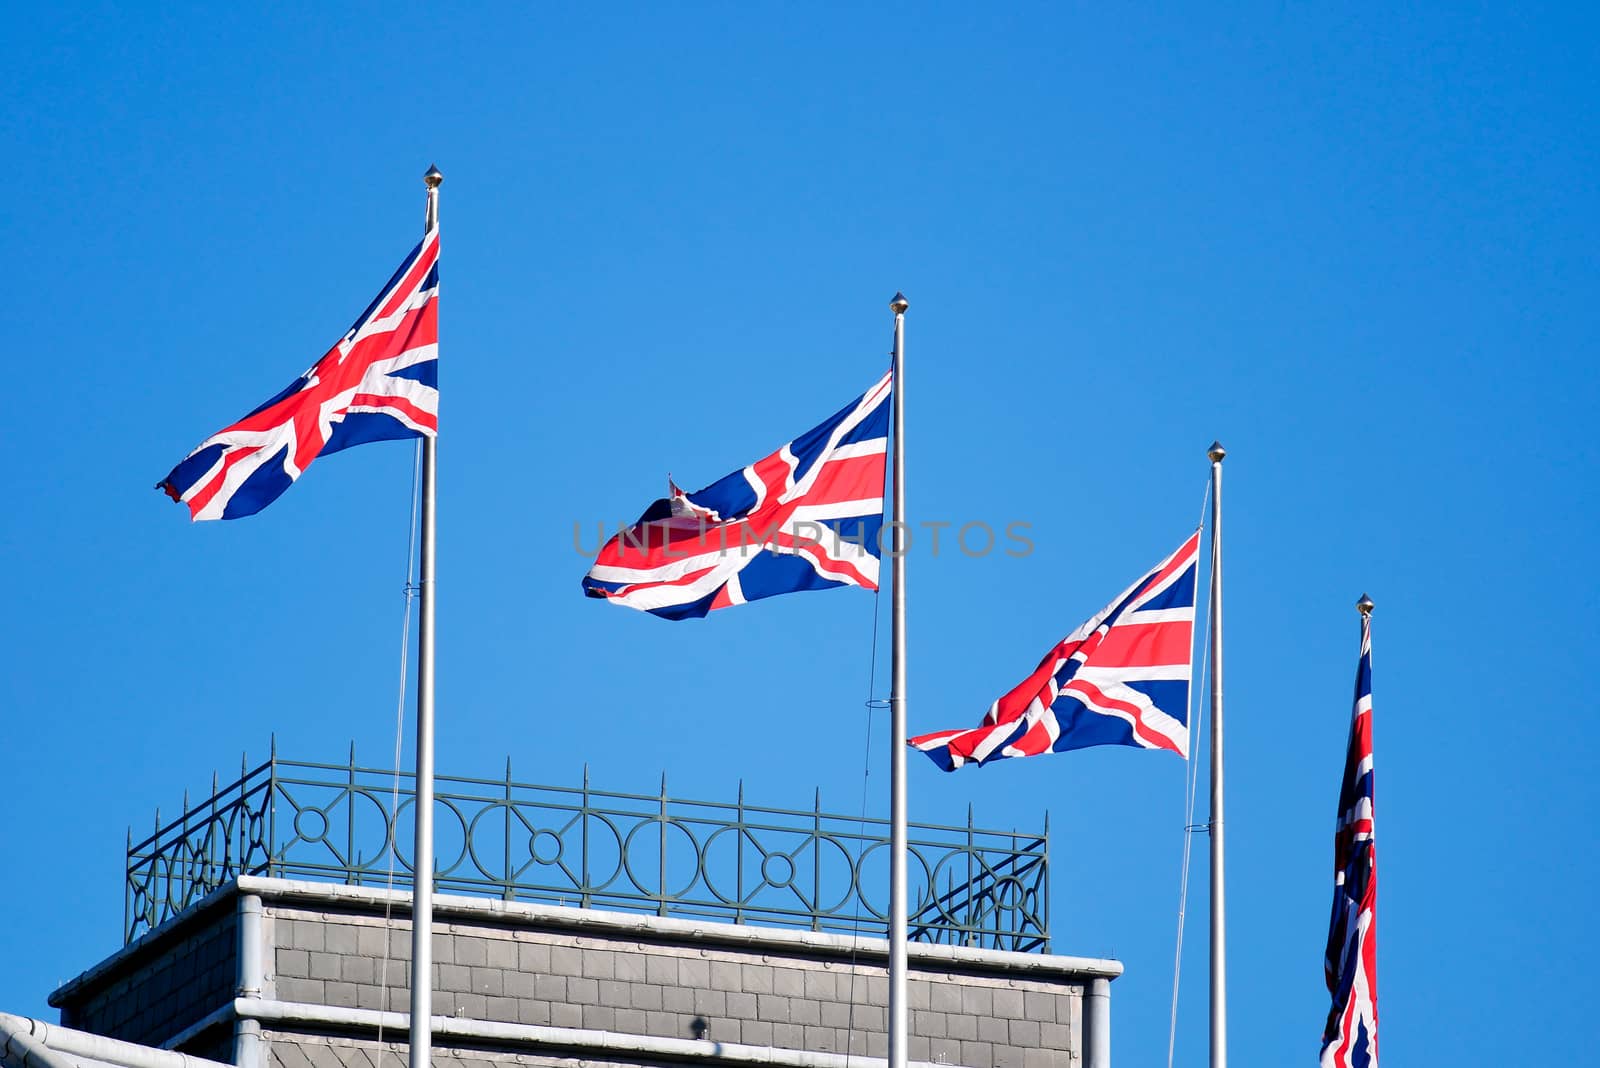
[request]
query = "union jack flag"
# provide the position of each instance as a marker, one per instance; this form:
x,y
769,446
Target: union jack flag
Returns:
x,y
380,382
1120,679
1350,1039
806,517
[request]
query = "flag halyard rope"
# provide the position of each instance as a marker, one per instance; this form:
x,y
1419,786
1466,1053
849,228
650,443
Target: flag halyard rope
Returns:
x,y
410,594
1191,783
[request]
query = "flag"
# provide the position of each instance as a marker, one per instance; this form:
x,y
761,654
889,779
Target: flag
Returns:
x,y
806,517
380,382
1120,679
1350,1039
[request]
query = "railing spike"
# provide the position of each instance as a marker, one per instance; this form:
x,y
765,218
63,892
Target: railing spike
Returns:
x,y
741,789
663,782
352,752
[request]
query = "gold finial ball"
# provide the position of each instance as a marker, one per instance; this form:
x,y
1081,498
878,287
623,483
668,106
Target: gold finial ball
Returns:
x,y
899,304
1216,452
1364,606
433,177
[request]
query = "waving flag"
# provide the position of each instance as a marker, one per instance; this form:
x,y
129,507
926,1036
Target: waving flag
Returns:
x,y
378,383
1350,1039
806,517
1120,679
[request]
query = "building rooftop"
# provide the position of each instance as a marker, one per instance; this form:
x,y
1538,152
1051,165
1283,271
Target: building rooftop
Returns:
x,y
268,926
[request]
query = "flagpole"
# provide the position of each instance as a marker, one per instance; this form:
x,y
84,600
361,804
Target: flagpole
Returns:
x,y
898,1002
422,874
1219,926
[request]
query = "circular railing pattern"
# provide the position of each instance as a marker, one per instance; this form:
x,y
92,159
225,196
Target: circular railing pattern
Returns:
x,y
592,848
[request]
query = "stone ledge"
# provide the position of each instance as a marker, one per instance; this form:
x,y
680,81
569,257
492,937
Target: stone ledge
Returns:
x,y
513,1037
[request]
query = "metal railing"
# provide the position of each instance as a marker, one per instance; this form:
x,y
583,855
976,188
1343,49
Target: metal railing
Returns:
x,y
592,848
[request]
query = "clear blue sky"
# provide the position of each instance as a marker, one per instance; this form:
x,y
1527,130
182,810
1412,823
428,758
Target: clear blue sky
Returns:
x,y
1357,247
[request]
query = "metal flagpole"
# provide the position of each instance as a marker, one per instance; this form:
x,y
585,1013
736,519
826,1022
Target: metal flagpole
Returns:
x,y
1219,924
898,1002
422,874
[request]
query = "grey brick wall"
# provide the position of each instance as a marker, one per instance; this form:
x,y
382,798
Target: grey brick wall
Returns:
x,y
508,972
157,992
330,946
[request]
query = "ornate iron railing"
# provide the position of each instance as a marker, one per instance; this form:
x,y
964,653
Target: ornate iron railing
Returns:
x,y
595,849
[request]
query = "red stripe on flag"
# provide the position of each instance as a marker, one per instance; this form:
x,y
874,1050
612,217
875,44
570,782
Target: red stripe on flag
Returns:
x,y
922,741
1144,645
419,416
852,478
413,279
773,473
1035,741
203,498
418,327
1011,706
660,544
635,587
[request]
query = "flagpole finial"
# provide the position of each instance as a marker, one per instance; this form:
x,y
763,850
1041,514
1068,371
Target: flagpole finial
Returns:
x,y
433,177
899,304
1216,452
1364,606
